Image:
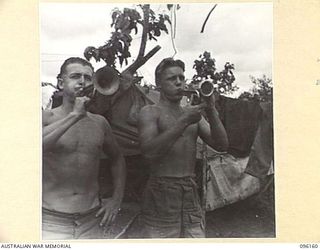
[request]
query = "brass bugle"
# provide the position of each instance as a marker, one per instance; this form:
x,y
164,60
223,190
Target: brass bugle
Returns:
x,y
205,88
87,91
189,92
106,81
195,95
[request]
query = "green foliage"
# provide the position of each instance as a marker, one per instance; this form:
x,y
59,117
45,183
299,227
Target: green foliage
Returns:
x,y
206,70
124,23
157,24
117,47
261,90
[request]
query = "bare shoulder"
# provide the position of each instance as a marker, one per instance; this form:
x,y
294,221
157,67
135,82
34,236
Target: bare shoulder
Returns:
x,y
150,111
47,116
96,117
99,119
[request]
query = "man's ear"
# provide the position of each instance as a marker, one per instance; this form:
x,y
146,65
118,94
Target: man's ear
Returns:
x,y
60,83
157,85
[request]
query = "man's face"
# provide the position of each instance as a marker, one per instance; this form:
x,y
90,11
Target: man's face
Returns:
x,y
172,83
76,77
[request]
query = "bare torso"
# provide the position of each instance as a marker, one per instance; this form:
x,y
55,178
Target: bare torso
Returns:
x,y
180,159
71,167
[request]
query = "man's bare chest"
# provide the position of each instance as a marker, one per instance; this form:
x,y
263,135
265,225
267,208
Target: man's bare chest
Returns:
x,y
168,121
84,136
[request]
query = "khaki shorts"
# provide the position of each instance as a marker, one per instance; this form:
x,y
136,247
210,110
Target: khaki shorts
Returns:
x,y
171,208
66,226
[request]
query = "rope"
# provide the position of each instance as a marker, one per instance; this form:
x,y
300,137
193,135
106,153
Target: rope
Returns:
x,y
175,20
173,28
205,22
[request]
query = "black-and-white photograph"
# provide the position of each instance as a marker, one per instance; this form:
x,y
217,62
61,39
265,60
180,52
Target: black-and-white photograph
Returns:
x,y
157,121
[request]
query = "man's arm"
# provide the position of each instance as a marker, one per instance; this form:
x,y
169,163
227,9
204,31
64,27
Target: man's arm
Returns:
x,y
213,133
111,148
53,131
155,145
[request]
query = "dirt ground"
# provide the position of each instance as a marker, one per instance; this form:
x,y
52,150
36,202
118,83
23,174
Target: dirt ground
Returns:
x,y
250,218
253,217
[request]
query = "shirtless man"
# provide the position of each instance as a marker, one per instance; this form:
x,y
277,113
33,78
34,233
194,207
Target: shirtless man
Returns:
x,y
73,143
168,135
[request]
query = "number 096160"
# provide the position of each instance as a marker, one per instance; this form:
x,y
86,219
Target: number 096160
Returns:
x,y
306,245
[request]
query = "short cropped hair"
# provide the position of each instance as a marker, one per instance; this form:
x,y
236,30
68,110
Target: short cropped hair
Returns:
x,y
167,63
73,60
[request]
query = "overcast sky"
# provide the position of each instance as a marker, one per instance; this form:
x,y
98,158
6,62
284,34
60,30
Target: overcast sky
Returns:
x,y
237,33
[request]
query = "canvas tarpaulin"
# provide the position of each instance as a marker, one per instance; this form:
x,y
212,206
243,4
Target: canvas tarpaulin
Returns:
x,y
261,155
226,181
121,110
230,179
240,119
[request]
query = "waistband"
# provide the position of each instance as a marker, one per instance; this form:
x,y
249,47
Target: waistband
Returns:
x,y
70,215
173,179
188,177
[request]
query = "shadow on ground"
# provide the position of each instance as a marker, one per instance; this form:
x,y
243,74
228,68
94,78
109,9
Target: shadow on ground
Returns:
x,y
244,219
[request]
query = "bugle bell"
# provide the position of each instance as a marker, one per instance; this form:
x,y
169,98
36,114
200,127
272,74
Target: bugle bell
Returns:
x,y
205,89
106,81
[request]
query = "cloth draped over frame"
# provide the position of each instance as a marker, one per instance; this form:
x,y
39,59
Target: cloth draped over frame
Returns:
x,y
240,119
262,153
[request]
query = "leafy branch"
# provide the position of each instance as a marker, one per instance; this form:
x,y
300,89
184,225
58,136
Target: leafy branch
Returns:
x,y
262,90
206,70
124,24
